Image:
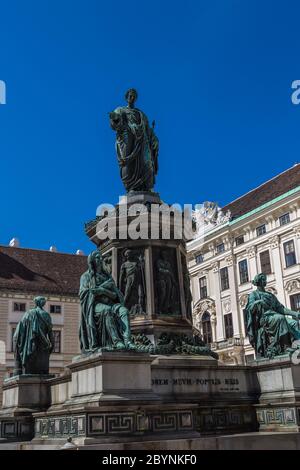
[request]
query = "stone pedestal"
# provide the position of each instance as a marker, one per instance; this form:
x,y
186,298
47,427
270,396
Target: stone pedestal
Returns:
x,y
155,239
122,397
22,396
279,402
111,376
224,395
109,396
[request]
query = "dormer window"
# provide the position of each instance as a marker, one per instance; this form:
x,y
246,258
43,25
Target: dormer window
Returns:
x,y
239,240
199,258
261,230
284,219
220,248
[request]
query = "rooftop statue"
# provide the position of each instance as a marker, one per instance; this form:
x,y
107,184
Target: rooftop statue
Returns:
x,y
136,145
104,318
270,329
34,341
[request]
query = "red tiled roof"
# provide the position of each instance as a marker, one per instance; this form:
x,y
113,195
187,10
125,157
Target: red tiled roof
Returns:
x,y
273,188
40,272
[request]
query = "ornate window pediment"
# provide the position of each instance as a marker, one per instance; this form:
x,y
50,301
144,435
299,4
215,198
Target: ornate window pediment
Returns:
x,y
203,305
292,286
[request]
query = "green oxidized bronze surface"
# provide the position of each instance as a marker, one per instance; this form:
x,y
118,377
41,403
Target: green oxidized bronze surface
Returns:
x,y
132,281
34,341
270,330
104,318
136,145
172,343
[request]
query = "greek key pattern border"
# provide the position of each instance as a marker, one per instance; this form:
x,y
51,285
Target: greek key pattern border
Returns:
x,y
277,416
106,424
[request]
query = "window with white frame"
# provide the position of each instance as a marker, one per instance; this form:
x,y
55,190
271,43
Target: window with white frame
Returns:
x,y
203,287
55,308
239,240
19,307
243,270
295,302
261,230
224,278
284,219
265,262
228,323
199,258
289,253
220,248
206,328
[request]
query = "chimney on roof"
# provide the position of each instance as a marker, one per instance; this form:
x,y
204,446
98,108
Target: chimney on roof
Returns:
x,y
53,249
80,253
14,242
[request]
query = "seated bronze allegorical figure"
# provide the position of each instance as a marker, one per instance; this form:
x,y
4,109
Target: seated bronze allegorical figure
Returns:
x,y
104,318
34,341
271,327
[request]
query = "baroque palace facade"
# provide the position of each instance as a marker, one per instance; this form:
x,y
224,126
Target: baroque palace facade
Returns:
x,y
26,273
258,232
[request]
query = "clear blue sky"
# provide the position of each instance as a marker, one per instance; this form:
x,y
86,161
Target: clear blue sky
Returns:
x,y
215,75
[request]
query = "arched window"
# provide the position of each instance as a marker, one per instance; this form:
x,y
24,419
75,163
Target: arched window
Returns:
x,y
206,328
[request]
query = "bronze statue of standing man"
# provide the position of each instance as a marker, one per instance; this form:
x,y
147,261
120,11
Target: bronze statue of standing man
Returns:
x,y
136,145
34,340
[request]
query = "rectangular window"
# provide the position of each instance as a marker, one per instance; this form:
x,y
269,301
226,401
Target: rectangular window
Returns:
x,y
57,341
295,302
239,240
220,248
289,253
261,230
55,308
284,219
265,263
13,330
203,287
199,259
206,328
19,307
228,325
243,269
224,278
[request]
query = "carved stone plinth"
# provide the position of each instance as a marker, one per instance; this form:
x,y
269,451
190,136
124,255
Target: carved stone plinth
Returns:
x,y
158,305
279,403
109,395
22,396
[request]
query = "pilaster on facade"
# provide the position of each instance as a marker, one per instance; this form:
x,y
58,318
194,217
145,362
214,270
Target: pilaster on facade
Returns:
x,y
252,260
233,296
220,323
277,266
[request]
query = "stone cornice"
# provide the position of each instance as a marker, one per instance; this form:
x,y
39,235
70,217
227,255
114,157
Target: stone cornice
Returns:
x,y
50,298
